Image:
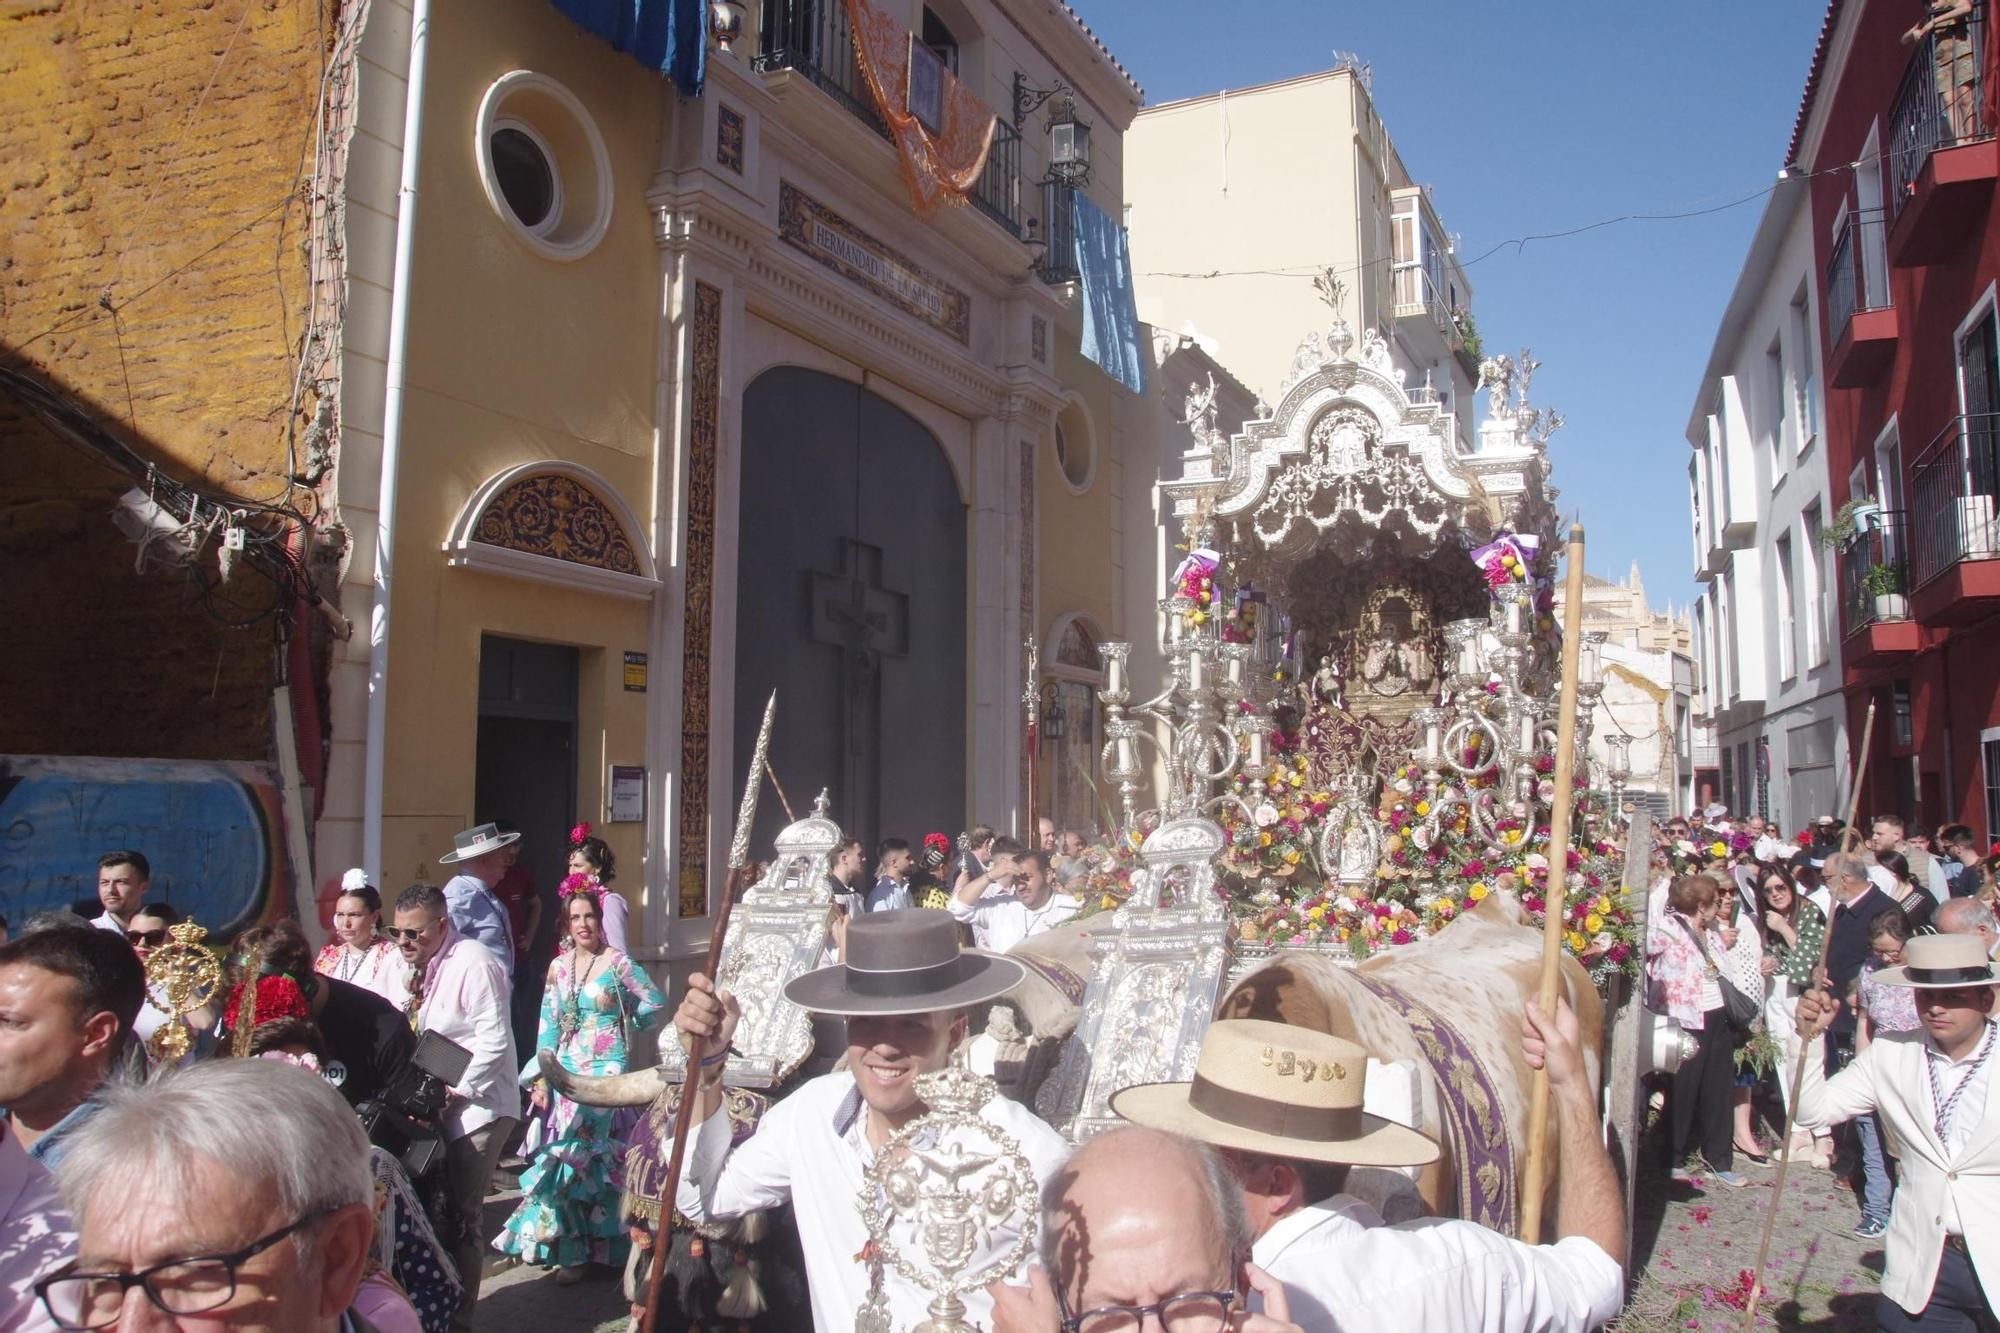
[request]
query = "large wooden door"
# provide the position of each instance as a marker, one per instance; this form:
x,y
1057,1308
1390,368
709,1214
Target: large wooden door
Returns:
x,y
850,601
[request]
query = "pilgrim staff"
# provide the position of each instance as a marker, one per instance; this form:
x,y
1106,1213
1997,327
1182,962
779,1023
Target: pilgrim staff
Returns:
x,y
1807,1054
1535,1180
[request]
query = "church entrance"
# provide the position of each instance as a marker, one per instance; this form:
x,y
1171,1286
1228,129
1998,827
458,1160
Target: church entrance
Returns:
x,y
850,602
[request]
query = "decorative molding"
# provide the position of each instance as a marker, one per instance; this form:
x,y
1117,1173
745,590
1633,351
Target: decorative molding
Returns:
x,y
555,522
704,416
834,242
729,137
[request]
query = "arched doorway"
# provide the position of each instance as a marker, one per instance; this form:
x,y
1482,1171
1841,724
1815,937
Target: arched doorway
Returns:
x,y
850,602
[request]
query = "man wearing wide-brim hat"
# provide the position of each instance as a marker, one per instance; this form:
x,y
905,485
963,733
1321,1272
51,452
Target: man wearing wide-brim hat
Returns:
x,y
1284,1104
904,988
480,855
1933,1089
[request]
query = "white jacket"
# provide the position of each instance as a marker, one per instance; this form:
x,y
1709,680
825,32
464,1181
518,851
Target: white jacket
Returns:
x,y
1890,1079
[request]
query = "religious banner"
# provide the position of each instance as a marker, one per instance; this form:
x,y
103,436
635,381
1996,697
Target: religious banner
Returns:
x,y
942,165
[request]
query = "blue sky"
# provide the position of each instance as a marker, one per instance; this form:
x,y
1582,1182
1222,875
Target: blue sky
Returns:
x,y
1541,117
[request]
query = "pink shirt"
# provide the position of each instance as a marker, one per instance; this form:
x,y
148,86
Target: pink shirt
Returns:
x,y
37,1234
466,999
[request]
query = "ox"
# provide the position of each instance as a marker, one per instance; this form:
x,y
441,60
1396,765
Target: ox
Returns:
x,y
1452,1004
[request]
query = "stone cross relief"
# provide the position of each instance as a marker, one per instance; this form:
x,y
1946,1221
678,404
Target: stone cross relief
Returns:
x,y
852,610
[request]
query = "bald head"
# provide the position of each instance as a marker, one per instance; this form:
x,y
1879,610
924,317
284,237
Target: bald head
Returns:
x,y
1965,916
1138,1215
1846,874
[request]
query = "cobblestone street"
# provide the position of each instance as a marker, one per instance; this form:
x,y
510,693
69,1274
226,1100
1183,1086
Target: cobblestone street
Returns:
x,y
1694,1246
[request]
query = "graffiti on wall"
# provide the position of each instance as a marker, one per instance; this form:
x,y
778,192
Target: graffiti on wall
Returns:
x,y
213,833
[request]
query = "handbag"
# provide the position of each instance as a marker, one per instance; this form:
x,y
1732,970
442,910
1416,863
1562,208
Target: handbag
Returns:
x,y
1739,1009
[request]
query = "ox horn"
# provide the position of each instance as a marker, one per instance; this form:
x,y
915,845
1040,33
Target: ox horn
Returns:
x,y
637,1088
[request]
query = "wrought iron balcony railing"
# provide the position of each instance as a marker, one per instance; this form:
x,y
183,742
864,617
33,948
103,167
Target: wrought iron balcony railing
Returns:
x,y
815,38
1857,272
1939,104
1059,230
1874,573
1954,491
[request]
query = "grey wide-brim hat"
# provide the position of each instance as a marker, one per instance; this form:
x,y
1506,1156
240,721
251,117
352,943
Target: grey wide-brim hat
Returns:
x,y
475,842
905,962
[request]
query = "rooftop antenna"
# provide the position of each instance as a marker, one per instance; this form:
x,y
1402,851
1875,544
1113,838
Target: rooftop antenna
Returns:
x,y
1362,69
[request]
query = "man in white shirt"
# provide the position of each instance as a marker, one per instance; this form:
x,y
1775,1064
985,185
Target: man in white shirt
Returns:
x,y
1021,904
849,889
892,876
122,880
461,992
1933,1091
1284,1104
904,988
1889,834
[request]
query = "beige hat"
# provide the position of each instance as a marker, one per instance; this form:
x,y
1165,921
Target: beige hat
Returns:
x,y
1281,1091
1936,962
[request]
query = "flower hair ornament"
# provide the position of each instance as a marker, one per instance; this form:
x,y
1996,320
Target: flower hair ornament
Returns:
x,y
580,883
937,848
354,880
580,834
304,1059
275,997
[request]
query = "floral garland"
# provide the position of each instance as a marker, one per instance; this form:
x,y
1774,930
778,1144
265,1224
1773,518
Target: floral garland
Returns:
x,y
1195,581
581,882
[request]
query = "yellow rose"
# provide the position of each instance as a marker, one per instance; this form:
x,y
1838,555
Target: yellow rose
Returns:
x,y
1292,859
1298,779
1718,849
1477,891
1576,942
1108,903
1317,914
1423,807
1593,923
1603,903
1197,617
1263,840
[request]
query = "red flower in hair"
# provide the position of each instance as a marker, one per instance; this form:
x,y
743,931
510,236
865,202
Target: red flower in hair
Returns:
x,y
580,834
277,997
937,842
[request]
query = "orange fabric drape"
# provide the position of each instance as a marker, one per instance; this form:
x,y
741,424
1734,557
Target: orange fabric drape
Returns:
x,y
941,168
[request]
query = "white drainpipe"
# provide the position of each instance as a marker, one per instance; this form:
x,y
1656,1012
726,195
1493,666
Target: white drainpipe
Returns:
x,y
392,447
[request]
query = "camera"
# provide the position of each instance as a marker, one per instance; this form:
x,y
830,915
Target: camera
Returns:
x,y
408,1118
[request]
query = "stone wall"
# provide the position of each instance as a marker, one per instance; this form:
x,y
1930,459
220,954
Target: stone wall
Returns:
x,y
152,205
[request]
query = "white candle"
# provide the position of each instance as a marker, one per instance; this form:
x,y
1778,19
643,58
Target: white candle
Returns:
x,y
1433,737
1114,673
1128,760
1236,668
1257,748
1195,670
1513,615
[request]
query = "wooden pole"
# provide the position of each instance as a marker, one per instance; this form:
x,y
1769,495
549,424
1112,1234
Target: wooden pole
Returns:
x,y
1847,836
1536,1174
772,774
739,855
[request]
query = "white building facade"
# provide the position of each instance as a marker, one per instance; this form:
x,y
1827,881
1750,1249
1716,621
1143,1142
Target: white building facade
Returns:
x,y
1767,619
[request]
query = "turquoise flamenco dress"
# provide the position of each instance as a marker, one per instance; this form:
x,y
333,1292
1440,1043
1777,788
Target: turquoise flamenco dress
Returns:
x,y
570,1194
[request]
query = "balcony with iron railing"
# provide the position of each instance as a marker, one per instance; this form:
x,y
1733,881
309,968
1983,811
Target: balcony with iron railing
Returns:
x,y
815,38
1955,533
1859,312
1874,590
1419,300
1939,143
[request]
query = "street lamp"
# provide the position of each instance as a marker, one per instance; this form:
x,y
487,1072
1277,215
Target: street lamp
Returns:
x,y
1069,133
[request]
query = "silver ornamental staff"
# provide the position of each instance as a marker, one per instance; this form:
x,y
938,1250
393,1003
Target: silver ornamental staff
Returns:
x,y
739,856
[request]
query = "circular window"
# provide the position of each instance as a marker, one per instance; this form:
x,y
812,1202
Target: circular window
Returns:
x,y
526,175
1076,446
544,165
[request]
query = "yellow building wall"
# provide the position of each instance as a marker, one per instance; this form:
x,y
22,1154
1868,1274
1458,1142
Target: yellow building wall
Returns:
x,y
513,358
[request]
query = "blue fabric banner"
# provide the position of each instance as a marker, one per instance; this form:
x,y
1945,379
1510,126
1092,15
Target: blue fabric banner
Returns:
x,y
1110,314
667,35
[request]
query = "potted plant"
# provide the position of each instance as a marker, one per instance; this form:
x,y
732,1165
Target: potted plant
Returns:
x,y
1884,582
1847,519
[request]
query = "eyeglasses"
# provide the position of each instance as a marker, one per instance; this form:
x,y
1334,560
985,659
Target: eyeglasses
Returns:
x,y
404,934
149,938
179,1286
1188,1312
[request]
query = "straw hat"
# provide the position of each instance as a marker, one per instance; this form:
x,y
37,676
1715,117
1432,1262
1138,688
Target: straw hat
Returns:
x,y
1281,1091
475,842
904,962
1938,962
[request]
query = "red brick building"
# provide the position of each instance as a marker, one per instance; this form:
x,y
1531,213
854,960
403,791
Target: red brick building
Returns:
x,y
1897,139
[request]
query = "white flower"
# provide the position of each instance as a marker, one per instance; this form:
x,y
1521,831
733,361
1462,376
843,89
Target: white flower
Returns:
x,y
1535,861
1403,785
354,879
1266,815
